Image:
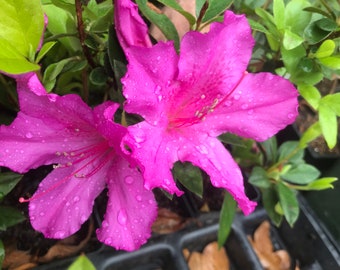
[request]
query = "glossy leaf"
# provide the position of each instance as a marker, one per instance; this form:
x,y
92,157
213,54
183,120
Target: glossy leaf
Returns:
x,y
161,21
227,215
332,62
326,49
98,76
310,134
259,178
289,203
333,102
311,94
296,20
199,6
279,13
302,174
314,34
44,50
190,176
81,263
291,40
8,181
328,123
9,216
290,150
322,183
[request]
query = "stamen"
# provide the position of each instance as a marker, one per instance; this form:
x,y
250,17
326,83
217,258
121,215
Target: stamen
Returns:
x,y
100,151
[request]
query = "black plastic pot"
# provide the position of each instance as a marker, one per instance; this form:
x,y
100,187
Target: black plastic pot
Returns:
x,y
307,243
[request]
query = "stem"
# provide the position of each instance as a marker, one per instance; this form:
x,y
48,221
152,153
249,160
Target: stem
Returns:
x,y
285,160
85,88
81,32
202,12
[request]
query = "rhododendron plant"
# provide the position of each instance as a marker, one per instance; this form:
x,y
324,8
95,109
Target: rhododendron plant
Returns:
x,y
187,100
84,146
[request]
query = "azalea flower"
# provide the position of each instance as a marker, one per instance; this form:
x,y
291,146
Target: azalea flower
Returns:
x,y
84,146
187,100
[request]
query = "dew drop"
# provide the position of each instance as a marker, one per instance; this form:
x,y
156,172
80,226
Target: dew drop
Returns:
x,y
237,97
244,106
139,198
167,181
76,199
108,241
41,214
250,112
290,116
59,234
122,217
105,224
129,179
29,135
202,149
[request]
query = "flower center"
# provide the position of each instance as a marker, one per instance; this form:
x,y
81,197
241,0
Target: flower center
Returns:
x,y
90,160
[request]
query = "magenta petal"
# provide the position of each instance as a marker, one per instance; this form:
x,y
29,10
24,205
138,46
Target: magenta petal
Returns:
x,y
211,156
131,209
259,107
147,82
63,202
131,29
156,153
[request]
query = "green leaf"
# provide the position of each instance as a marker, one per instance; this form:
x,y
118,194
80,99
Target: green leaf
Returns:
x,y
322,183
329,125
326,49
259,178
333,102
317,10
332,62
310,134
215,8
291,40
270,148
18,27
296,20
227,215
173,4
98,76
313,34
81,263
190,176
199,6
2,253
290,150
44,50
311,94
257,26
54,70
9,216
8,181
289,203
327,24
279,13
269,200
161,21
302,174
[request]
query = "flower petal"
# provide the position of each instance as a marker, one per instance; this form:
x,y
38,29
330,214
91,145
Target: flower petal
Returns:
x,y
131,29
63,202
210,66
46,125
211,156
151,147
259,107
150,72
131,209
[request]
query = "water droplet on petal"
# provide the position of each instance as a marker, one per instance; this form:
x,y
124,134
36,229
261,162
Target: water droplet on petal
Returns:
x,y
129,179
244,106
41,214
108,241
250,112
202,149
139,198
59,234
122,217
290,116
76,199
29,135
237,97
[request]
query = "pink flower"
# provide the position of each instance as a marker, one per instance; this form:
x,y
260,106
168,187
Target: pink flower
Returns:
x,y
188,100
84,145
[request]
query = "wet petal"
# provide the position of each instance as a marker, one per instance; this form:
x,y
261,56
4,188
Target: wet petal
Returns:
x,y
149,78
64,202
131,209
212,157
259,107
151,147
